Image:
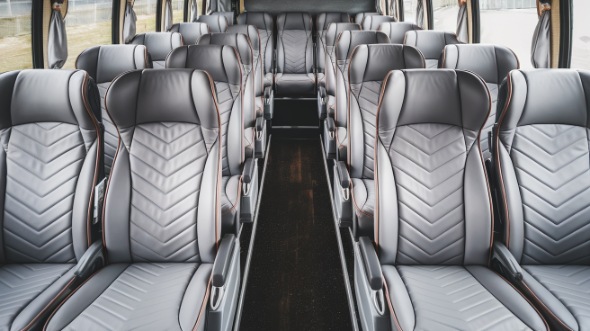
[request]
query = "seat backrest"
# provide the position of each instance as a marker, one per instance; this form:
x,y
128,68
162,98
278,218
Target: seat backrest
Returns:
x,y
540,157
104,64
51,161
162,200
492,63
330,37
265,25
216,23
294,43
369,65
372,22
191,32
396,31
158,44
252,33
433,204
229,16
430,43
226,73
322,22
358,18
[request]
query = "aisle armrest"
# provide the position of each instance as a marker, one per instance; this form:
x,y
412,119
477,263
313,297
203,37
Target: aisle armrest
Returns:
x,y
371,263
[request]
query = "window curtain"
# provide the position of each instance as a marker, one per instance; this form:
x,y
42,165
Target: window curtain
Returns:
x,y
194,11
541,45
57,44
420,13
462,22
129,22
168,19
218,6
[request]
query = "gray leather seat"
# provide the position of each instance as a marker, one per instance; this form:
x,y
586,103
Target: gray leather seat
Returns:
x,y
358,18
541,162
191,32
327,93
369,65
295,68
158,44
104,64
265,25
216,23
322,22
396,31
431,44
226,73
229,16
162,232
428,266
50,164
372,22
492,64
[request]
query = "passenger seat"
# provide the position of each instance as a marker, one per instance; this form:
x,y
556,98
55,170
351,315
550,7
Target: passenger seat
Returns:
x,y
104,64
431,44
159,45
265,25
216,23
295,68
372,22
396,31
358,18
191,32
229,16
322,22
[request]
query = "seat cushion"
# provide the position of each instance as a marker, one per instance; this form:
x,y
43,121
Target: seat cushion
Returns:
x,y
166,296
457,298
295,85
26,289
363,197
230,193
564,290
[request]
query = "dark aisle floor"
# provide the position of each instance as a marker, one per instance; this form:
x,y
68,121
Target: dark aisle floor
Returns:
x,y
295,280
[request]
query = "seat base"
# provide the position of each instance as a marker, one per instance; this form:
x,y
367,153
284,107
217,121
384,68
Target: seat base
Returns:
x,y
295,85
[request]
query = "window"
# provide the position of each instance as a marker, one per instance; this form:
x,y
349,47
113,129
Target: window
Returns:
x,y
413,11
15,35
581,35
88,23
146,15
510,23
177,11
445,15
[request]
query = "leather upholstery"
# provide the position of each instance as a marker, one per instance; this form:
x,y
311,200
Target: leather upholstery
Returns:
x,y
223,65
372,22
295,74
216,23
358,18
430,43
191,32
542,168
369,64
158,44
229,16
265,25
396,31
50,163
322,23
492,63
104,64
434,217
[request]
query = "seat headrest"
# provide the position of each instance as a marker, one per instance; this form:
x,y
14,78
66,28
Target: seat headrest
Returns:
x,y
455,97
221,62
229,16
348,40
372,22
334,30
323,20
105,63
490,62
191,32
294,21
158,44
236,40
373,62
216,23
159,96
249,30
361,16
260,20
430,43
35,96
545,96
396,31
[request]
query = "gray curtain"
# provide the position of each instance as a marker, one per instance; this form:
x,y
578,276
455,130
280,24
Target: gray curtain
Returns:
x,y
218,6
541,46
194,11
57,44
129,22
393,9
168,15
462,28
420,13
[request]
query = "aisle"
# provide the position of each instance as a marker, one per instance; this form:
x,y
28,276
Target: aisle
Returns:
x,y
295,280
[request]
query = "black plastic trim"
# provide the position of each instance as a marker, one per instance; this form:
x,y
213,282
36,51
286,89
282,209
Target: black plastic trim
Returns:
x,y
37,35
566,22
475,22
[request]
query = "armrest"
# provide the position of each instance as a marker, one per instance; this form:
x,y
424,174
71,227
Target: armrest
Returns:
x,y
331,126
259,127
371,263
343,174
248,171
505,260
222,262
321,100
88,262
268,102
98,200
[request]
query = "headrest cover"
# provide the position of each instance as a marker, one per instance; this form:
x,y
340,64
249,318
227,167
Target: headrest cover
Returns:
x,y
361,16
455,97
249,30
396,31
216,23
324,20
236,40
492,63
374,21
260,20
348,40
219,61
105,63
430,43
158,44
191,32
35,96
545,96
159,96
334,30
373,62
294,21
229,16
